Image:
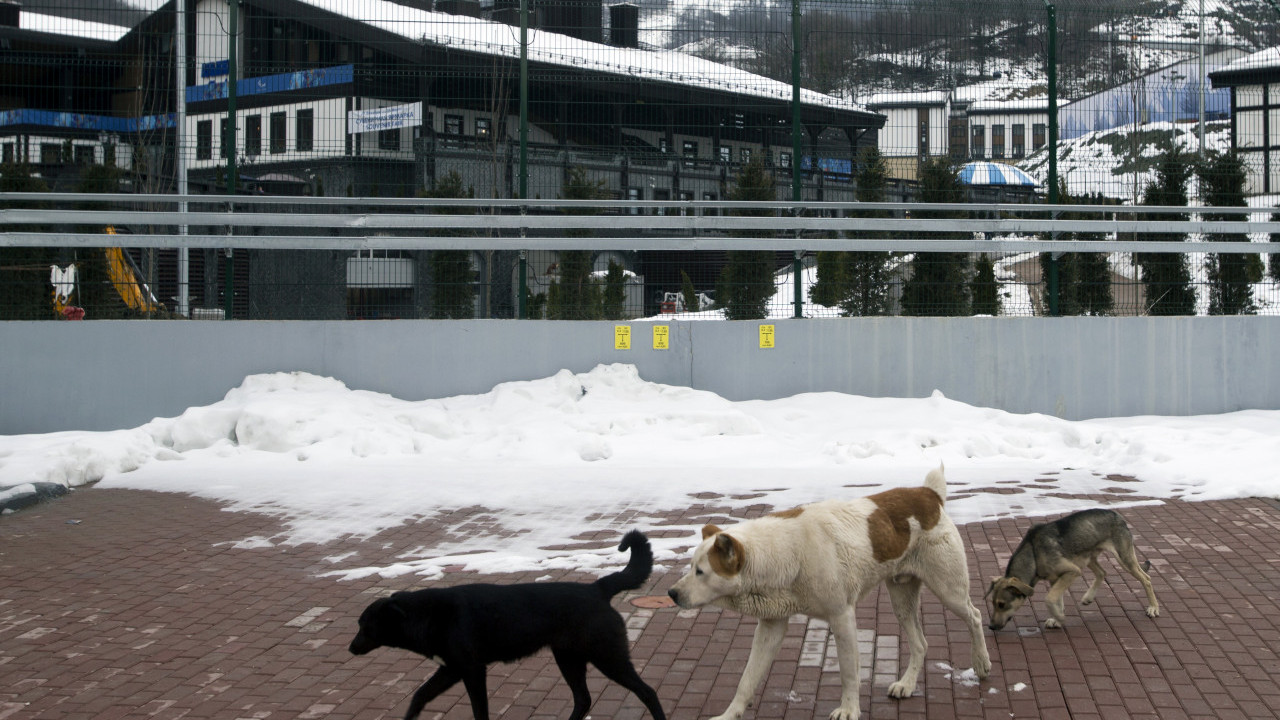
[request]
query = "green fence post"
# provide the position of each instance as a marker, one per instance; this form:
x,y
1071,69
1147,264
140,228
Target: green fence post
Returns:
x,y
228,283
1053,148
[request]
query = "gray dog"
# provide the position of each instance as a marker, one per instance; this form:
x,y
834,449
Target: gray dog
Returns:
x,y
1057,551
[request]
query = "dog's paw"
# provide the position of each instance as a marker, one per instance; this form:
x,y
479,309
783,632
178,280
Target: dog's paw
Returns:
x,y
982,667
845,713
1153,611
1052,623
901,689
730,714
1087,601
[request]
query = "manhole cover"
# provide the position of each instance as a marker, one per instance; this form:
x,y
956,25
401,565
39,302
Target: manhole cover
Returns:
x,y
653,601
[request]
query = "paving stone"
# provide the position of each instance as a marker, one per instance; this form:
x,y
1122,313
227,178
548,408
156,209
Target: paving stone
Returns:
x,y
132,604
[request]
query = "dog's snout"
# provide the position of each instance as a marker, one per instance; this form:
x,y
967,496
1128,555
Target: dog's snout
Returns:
x,y
674,595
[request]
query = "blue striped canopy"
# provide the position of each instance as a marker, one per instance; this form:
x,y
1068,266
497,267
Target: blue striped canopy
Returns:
x,y
989,173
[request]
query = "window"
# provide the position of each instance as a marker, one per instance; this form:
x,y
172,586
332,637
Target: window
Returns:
x,y
689,150
279,123
922,123
109,154
204,140
484,128
453,124
958,143
662,194
8,152
634,194
664,146
784,160
726,154
997,141
50,153
304,136
84,155
227,140
1037,136
1019,147
253,135
978,140
745,155
389,139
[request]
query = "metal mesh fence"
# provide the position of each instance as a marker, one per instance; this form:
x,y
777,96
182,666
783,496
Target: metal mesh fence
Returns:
x,y
654,101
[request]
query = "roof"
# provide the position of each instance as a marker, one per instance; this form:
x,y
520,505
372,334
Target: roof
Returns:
x,y
989,173
1262,66
495,38
69,27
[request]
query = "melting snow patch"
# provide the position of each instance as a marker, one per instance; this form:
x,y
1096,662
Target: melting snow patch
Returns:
x,y
967,678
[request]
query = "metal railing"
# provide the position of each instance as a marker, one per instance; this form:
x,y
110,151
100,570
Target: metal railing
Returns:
x,y
320,257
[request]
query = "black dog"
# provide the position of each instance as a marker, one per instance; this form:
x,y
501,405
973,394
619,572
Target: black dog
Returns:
x,y
466,628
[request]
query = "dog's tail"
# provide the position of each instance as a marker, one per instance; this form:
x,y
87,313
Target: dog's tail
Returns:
x,y
936,481
637,569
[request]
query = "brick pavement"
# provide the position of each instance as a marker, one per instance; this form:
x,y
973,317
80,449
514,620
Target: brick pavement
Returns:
x,y
128,604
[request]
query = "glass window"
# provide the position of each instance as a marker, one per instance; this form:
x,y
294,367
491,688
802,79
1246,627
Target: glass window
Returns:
x,y
84,155
745,155
1019,147
484,128
689,150
253,135
389,139
109,154
279,123
726,153
453,124
8,152
784,160
978,140
50,153
304,136
204,140
227,140
1037,136
997,141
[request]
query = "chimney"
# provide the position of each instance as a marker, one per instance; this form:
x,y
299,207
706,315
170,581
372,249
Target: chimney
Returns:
x,y
624,25
583,19
466,8
9,12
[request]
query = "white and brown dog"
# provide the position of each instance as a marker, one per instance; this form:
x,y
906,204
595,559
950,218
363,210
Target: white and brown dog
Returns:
x,y
820,560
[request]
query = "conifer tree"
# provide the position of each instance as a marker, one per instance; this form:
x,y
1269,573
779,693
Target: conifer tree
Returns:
x,y
452,277
985,289
25,291
1230,274
613,303
1084,279
1274,258
866,274
939,280
746,284
577,295
688,294
1166,278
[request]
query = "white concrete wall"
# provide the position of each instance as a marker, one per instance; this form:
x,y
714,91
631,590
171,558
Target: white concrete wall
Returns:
x,y
107,374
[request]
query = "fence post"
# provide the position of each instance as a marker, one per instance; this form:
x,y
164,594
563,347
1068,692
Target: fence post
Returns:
x,y
796,267
228,283
1052,62
795,101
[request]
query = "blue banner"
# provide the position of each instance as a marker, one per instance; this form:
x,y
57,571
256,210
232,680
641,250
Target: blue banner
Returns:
x,y
81,121
284,82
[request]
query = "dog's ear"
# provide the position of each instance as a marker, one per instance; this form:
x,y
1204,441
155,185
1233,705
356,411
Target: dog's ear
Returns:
x,y
1021,588
991,588
709,530
727,555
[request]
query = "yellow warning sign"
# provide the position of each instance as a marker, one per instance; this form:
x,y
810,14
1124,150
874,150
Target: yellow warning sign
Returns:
x,y
661,337
621,337
766,337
